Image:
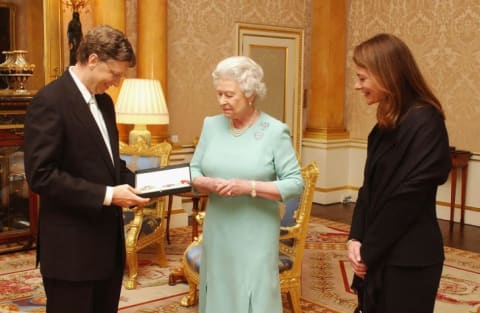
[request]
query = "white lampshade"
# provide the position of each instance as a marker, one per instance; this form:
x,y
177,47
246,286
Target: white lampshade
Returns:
x,y
141,101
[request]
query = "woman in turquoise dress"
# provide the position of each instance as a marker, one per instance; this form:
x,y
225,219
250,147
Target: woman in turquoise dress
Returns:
x,y
245,161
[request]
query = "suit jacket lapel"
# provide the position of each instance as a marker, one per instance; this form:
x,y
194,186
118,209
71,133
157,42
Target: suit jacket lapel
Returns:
x,y
99,138
83,113
111,124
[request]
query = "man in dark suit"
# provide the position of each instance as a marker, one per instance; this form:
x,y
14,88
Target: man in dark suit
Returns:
x,y
72,161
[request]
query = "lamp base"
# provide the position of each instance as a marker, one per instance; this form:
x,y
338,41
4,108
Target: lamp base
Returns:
x,y
139,135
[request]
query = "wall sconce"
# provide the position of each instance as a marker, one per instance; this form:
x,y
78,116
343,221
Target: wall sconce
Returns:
x,y
141,102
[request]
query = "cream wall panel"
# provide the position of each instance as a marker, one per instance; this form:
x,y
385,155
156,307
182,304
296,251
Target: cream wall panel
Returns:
x,y
332,158
444,37
200,34
473,177
356,160
341,165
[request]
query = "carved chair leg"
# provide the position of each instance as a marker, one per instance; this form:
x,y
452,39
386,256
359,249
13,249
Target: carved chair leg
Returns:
x,y
191,298
131,240
176,275
132,267
293,296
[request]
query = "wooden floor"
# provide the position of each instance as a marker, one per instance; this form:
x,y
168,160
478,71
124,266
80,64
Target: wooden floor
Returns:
x,y
467,238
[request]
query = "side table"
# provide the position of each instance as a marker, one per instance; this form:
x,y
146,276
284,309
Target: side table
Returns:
x,y
460,160
196,199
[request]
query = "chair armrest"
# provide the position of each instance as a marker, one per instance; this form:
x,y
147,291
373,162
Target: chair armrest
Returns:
x,y
288,232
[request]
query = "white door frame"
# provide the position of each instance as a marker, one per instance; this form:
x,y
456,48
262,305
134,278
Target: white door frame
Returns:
x,y
287,44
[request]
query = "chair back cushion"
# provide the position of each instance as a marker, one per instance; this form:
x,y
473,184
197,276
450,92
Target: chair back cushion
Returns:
x,y
284,262
149,222
291,206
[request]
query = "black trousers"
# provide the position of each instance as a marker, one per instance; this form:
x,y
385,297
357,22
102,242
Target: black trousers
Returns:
x,y
100,296
409,289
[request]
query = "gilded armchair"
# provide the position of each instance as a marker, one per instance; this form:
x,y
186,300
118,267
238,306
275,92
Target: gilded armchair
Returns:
x,y
293,233
145,225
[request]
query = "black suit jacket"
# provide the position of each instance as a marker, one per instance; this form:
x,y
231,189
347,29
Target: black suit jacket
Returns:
x,y
68,165
395,216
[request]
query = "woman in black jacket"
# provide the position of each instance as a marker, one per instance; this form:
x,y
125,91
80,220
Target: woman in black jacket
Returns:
x,y
395,245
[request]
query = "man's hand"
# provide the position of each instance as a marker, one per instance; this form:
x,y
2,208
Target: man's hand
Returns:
x,y
126,196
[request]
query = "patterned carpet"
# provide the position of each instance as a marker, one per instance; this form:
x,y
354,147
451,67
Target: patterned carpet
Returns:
x,y
326,278
327,274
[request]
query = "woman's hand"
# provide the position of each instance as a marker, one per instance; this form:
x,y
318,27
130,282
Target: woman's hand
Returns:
x,y
233,187
208,184
359,268
223,187
236,187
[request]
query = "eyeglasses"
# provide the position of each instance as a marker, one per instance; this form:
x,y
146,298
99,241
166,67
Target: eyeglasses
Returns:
x,y
116,75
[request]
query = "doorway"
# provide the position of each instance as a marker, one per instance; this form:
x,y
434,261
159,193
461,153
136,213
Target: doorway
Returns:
x,y
279,51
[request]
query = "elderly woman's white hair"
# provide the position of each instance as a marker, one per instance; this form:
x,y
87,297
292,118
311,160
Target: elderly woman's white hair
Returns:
x,y
245,71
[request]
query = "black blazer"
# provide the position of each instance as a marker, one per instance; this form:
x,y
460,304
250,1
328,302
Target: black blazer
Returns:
x,y
68,165
395,216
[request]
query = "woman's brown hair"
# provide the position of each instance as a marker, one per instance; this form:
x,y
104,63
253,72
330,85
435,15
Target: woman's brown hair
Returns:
x,y
391,63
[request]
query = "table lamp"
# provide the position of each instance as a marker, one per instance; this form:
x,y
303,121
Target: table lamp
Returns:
x,y
141,102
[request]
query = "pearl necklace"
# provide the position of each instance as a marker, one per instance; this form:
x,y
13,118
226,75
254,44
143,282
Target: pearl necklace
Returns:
x,y
239,131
